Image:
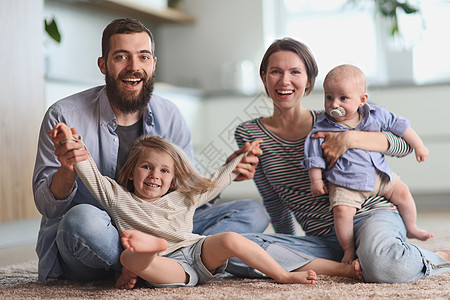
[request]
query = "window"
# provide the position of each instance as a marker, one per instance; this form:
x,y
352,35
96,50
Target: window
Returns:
x,y
431,48
339,32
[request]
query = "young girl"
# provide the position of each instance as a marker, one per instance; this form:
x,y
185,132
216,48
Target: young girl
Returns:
x,y
152,205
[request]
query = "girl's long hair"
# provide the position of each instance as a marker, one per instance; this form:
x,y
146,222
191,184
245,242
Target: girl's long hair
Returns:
x,y
186,179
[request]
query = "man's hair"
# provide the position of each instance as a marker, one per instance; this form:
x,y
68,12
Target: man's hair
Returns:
x,y
120,26
289,44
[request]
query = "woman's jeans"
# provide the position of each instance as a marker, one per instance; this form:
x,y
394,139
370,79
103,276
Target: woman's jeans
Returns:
x,y
89,244
381,245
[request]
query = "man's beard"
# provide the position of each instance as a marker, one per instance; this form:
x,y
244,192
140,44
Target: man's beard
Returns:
x,y
128,101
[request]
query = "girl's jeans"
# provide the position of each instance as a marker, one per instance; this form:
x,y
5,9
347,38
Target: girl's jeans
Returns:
x,y
383,252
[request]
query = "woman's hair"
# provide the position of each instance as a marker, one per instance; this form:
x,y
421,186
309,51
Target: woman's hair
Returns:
x,y
120,26
186,179
289,44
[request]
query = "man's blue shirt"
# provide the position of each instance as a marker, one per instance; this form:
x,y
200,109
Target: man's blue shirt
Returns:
x,y
91,114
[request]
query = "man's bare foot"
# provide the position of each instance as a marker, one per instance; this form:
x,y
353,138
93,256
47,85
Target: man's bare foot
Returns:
x,y
137,241
419,234
304,277
127,280
445,254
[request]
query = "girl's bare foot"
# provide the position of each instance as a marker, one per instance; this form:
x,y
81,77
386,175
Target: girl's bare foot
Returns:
x,y
445,254
304,277
137,241
419,234
127,280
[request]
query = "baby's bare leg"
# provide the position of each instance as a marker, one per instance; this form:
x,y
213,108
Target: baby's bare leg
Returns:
x,y
400,195
343,225
220,247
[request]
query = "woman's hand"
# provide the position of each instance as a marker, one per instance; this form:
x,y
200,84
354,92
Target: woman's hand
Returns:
x,y
337,143
246,168
334,145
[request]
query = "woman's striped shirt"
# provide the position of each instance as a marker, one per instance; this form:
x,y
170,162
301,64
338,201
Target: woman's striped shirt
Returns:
x,y
284,184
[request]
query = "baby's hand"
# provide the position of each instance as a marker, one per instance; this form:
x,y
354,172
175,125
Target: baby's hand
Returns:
x,y
318,187
421,153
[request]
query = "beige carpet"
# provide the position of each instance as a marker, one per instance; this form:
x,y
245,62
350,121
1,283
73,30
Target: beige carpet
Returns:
x,y
20,282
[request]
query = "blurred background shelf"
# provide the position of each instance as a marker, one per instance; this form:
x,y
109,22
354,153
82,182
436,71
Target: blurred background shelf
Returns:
x,y
160,15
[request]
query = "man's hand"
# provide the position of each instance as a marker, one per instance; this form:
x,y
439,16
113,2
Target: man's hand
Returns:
x,y
68,155
246,168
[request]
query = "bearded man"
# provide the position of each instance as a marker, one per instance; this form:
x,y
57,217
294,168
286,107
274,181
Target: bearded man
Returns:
x,y
77,239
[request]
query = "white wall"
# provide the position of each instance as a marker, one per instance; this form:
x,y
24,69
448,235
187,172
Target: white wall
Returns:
x,y
225,32
21,103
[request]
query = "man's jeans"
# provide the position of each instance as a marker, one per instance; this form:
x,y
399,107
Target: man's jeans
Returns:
x,y
381,245
89,244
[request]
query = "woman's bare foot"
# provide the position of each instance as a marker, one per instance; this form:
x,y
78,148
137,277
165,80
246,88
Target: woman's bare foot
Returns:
x,y
304,277
137,241
416,233
445,254
356,270
127,280
352,270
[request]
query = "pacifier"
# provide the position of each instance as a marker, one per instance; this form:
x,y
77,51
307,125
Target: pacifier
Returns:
x,y
337,112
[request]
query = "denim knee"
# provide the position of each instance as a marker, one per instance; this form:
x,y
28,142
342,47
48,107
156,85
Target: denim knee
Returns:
x,y
87,231
82,220
382,250
394,263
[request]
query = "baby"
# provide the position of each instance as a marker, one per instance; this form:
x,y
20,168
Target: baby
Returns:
x,y
358,174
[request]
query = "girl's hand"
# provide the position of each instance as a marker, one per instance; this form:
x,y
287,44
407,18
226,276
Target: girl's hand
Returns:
x,y
246,168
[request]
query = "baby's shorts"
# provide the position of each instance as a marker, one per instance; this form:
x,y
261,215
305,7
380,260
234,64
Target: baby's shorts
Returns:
x,y
190,259
345,196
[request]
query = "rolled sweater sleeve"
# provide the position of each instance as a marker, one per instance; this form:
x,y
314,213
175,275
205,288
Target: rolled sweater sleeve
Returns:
x,y
398,147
